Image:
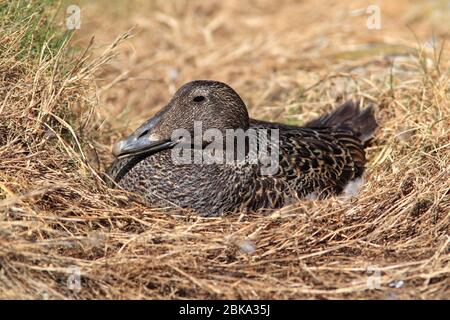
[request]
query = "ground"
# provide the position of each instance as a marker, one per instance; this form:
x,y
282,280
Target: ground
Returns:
x,y
65,235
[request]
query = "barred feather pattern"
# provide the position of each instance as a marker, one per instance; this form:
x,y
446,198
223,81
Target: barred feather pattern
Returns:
x,y
313,160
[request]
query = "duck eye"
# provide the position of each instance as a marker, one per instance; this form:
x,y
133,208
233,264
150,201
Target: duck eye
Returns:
x,y
199,98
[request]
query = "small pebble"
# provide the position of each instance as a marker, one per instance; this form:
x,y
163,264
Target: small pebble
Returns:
x,y
396,284
246,246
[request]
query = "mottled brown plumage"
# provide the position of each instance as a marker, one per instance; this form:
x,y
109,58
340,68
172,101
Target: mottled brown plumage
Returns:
x,y
320,158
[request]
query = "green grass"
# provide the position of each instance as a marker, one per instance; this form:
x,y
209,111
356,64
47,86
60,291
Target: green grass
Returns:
x,y
36,21
32,33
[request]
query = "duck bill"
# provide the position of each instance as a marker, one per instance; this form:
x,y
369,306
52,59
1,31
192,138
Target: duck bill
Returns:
x,y
142,140
131,146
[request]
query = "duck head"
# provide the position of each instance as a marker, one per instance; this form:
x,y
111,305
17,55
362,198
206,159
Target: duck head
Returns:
x,y
212,104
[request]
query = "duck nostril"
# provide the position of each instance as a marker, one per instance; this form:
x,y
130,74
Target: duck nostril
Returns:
x,y
199,98
143,134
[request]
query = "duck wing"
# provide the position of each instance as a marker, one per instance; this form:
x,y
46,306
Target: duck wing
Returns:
x,y
324,155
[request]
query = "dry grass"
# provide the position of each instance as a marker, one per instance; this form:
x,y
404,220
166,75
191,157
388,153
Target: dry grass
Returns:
x,y
290,61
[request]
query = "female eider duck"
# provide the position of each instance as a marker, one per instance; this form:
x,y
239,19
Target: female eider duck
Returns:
x,y
319,158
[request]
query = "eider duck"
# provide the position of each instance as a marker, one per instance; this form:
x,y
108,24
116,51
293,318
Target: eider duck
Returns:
x,y
319,158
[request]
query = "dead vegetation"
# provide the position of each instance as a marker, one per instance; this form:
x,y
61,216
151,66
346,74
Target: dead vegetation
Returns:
x,y
290,61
